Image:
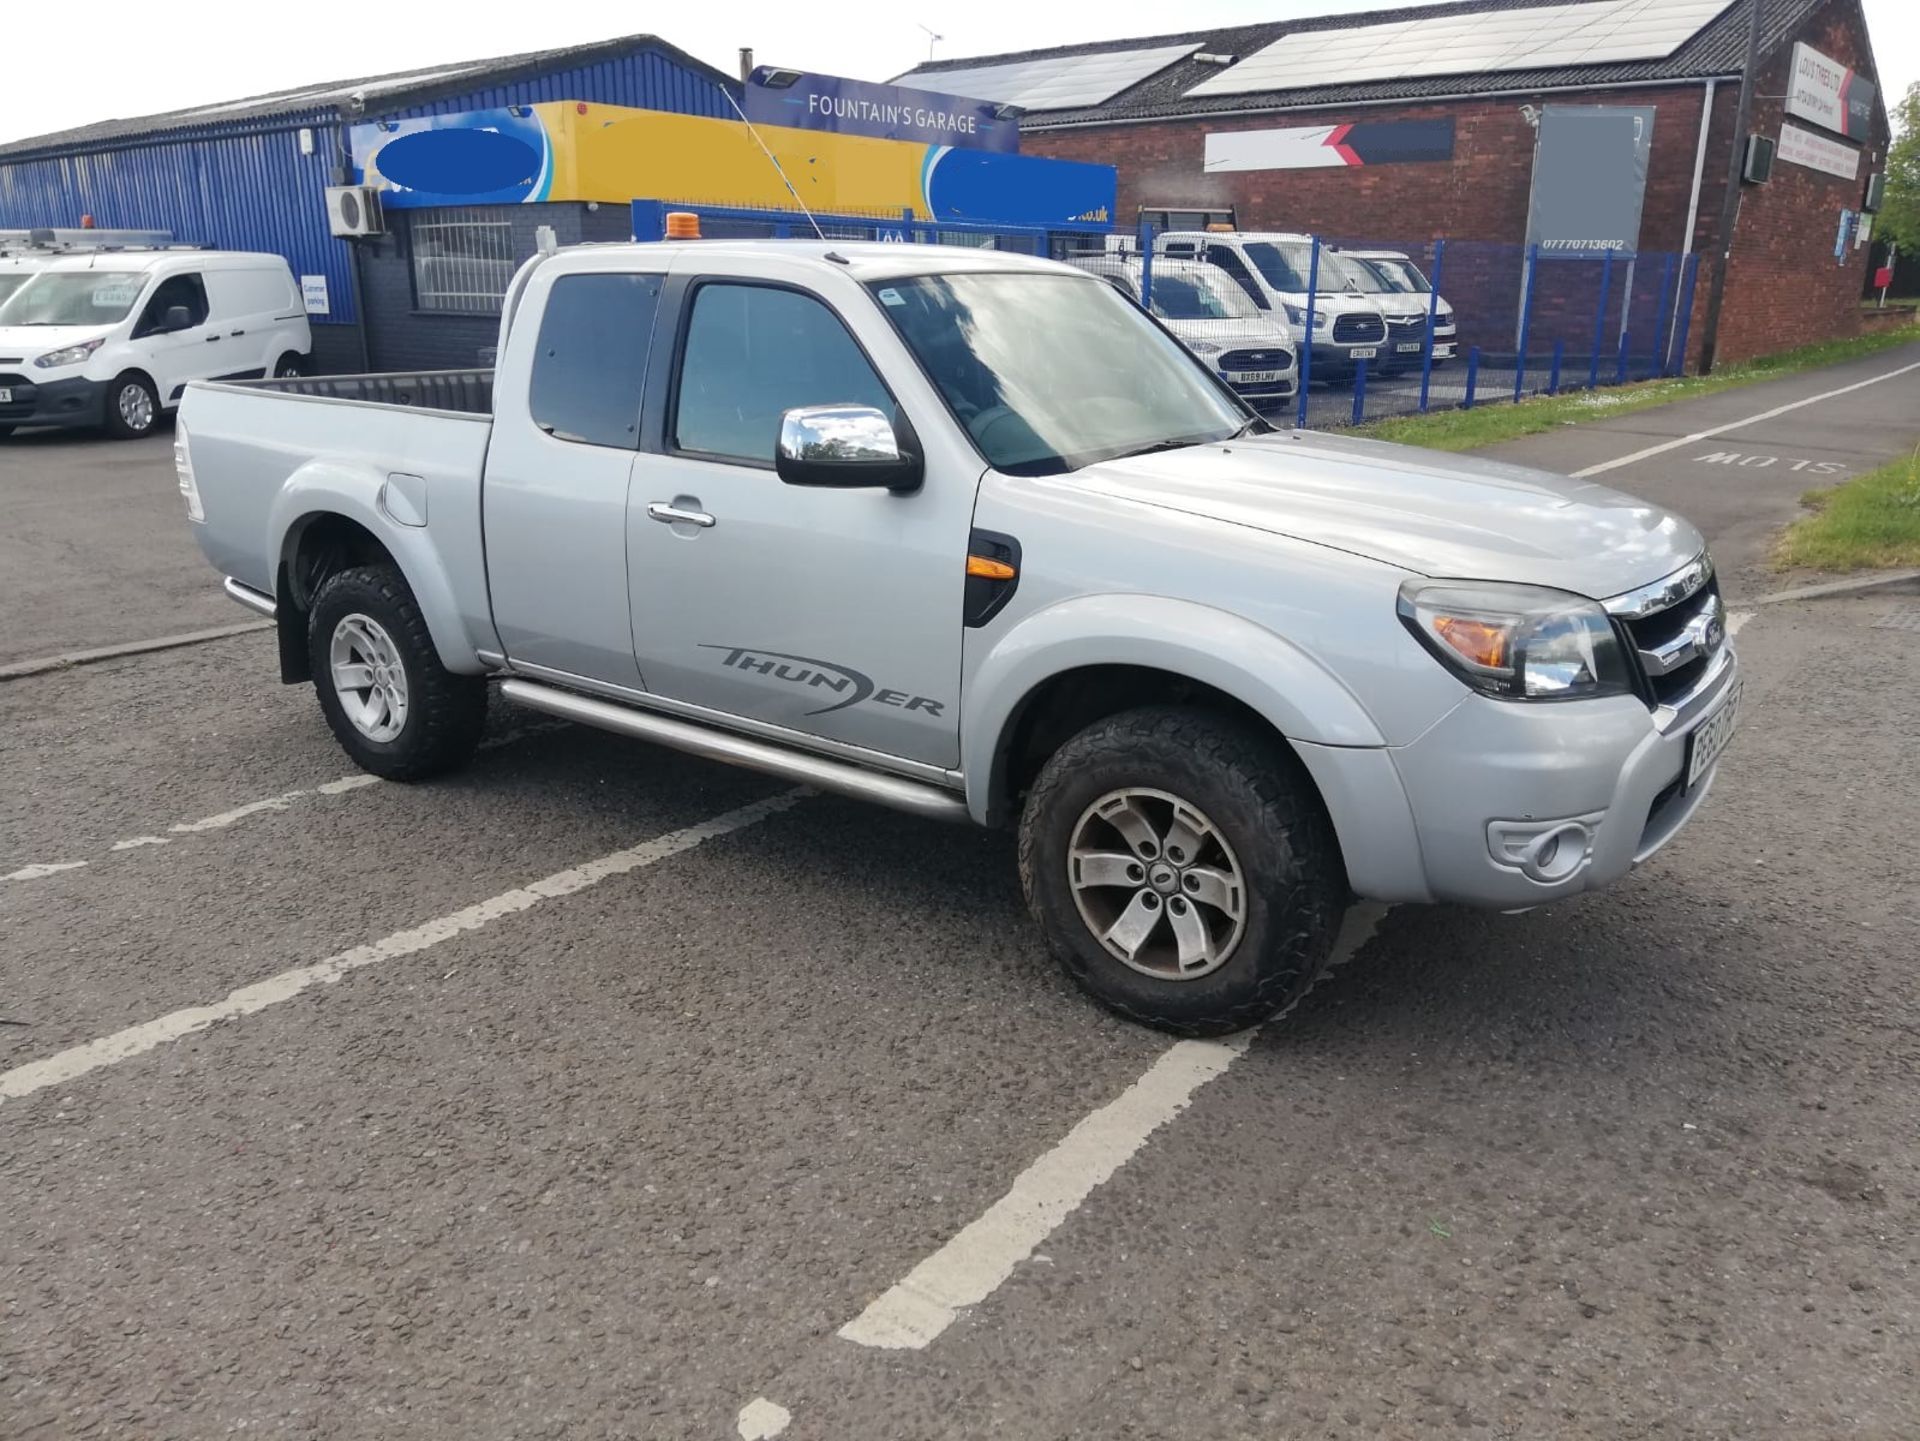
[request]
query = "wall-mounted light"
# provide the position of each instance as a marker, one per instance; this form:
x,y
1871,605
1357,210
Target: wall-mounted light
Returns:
x,y
774,78
1008,112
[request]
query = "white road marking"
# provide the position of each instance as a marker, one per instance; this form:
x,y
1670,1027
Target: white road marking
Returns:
x,y
238,813
983,1254
762,1420
69,1065
345,784
1661,449
271,803
42,868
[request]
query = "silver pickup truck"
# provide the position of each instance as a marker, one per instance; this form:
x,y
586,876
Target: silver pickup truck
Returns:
x,y
967,534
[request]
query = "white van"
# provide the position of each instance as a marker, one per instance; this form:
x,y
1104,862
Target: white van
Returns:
x,y
112,338
1274,267
1401,290
1212,317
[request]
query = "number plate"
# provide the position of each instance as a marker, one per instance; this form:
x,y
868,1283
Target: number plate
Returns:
x,y
1253,377
1408,347
1443,352
6,397
1710,738
1364,352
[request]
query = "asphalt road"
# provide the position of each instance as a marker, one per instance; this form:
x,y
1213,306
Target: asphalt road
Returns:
x,y
591,1092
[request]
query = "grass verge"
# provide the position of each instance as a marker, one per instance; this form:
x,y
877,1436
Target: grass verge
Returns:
x,y
1493,420
1867,523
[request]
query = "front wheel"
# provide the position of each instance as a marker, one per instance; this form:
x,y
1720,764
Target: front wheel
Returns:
x,y
133,408
1183,870
393,707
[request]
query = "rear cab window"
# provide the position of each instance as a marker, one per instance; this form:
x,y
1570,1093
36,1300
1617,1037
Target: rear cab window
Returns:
x,y
590,365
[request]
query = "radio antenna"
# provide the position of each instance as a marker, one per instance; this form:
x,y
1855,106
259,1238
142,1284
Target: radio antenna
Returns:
x,y
771,160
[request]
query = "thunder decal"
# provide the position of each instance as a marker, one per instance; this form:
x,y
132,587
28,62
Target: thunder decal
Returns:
x,y
848,685
1330,147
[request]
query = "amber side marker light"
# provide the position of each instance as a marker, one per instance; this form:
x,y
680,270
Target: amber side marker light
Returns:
x,y
990,569
1482,642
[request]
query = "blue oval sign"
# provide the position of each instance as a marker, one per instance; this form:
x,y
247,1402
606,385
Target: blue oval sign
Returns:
x,y
458,162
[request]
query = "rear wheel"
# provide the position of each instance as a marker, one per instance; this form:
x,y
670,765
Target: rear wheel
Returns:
x,y
1183,870
393,707
133,409
289,367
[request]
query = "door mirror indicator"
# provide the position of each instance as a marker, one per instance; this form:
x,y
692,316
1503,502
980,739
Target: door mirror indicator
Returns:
x,y
848,446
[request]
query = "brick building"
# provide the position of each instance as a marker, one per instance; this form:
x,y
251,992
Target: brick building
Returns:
x,y
1219,125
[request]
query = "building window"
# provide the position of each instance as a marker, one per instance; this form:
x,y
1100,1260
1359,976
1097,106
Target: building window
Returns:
x,y
462,261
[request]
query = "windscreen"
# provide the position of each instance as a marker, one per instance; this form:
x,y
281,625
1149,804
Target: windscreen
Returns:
x,y
1198,295
1286,265
1401,275
1049,373
11,283
74,297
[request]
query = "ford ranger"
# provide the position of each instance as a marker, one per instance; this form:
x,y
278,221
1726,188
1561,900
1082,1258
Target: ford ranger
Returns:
x,y
967,534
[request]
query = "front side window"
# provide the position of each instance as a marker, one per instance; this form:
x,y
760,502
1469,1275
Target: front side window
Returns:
x,y
188,292
591,361
74,297
1049,373
462,261
1230,262
754,352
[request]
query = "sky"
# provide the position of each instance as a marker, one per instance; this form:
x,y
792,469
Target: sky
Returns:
x,y
190,52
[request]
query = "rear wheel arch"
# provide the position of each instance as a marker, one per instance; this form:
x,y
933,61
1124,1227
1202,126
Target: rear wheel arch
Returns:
x,y
316,547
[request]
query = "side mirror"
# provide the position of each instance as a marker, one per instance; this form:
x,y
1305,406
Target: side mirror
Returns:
x,y
847,446
178,317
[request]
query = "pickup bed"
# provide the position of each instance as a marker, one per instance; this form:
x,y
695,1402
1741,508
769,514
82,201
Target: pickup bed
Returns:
x,y
967,534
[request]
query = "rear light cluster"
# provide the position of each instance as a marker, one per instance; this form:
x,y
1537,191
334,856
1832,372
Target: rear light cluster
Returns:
x,y
183,467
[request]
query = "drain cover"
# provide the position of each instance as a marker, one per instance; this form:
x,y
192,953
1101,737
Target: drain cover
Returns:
x,y
1901,617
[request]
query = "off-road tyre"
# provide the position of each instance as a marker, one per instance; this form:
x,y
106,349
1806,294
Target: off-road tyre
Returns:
x,y
1259,799
445,713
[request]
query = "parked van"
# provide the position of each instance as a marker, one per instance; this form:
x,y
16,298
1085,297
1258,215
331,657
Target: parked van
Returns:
x,y
1273,267
1404,293
113,338
1213,318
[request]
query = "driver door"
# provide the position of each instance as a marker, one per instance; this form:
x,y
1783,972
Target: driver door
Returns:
x,y
175,357
834,614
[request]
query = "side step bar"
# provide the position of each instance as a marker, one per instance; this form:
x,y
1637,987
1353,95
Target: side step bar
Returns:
x,y
820,772
249,597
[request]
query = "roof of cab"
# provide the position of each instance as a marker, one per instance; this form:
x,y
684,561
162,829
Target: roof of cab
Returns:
x,y
152,259
862,259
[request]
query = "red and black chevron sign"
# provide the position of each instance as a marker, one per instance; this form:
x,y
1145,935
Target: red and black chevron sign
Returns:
x,y
1322,147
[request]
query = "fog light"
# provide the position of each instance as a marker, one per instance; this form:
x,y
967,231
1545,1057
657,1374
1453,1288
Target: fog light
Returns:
x,y
1545,851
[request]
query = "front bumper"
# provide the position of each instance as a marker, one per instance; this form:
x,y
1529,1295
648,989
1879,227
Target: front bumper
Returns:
x,y
1609,768
75,401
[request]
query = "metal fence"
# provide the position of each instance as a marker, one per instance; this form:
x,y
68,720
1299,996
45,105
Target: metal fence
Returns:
x,y
1324,331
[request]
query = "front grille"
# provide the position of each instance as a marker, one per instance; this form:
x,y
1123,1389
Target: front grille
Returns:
x,y
1402,324
1359,329
1257,360
1673,647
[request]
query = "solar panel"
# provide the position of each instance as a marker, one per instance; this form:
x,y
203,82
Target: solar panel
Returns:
x,y
1062,82
1538,38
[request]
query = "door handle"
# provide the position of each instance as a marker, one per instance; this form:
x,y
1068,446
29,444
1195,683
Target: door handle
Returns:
x,y
213,340
674,515
237,334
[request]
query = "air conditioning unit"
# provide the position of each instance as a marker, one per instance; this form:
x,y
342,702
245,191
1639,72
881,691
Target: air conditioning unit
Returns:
x,y
355,210
1758,169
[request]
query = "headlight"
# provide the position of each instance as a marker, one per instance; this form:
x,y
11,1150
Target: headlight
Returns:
x,y
1298,315
1444,314
72,355
1518,642
1204,347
